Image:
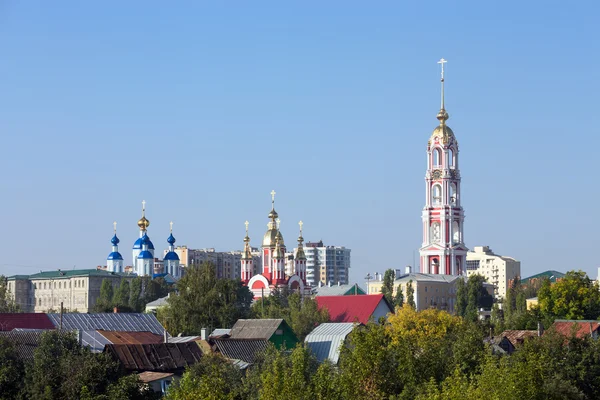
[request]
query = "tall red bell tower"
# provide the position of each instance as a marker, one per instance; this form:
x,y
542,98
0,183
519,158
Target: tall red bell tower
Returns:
x,y
443,250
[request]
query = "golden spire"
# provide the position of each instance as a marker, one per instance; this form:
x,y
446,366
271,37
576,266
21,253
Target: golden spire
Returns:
x,y
273,214
143,223
300,252
247,254
442,115
277,254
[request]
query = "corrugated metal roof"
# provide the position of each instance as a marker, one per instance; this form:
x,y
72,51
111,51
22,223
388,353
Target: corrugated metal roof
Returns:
x,y
94,340
25,342
220,332
255,328
127,322
183,339
118,337
580,328
241,349
151,376
10,321
326,339
158,302
419,277
156,356
351,308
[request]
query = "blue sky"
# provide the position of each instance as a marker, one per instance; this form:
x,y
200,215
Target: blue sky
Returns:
x,y
202,109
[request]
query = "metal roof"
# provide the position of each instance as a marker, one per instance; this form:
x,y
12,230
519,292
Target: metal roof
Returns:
x,y
255,328
352,308
158,302
326,339
127,322
25,342
10,321
151,376
419,277
241,349
338,290
156,356
183,339
220,332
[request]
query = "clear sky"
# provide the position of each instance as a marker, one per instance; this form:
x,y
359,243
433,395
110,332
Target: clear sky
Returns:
x,y
202,110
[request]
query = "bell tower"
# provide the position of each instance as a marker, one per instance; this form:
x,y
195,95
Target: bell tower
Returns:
x,y
443,250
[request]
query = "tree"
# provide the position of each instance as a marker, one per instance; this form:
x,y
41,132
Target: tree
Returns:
x,y
288,377
135,294
7,301
574,296
477,297
410,294
461,297
399,298
388,285
11,371
203,301
105,301
121,296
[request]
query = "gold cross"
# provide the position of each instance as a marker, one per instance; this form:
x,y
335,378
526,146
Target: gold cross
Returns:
x,y
143,208
300,223
442,61
115,227
246,223
171,224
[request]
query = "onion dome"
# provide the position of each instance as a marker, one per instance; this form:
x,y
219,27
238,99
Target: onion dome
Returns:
x,y
145,255
115,240
141,241
300,252
172,256
278,254
271,235
171,239
115,255
143,223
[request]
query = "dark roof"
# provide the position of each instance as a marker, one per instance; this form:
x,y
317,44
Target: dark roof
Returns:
x,y
156,356
69,273
127,322
25,342
551,275
583,327
8,322
351,308
516,337
119,337
241,349
151,376
255,328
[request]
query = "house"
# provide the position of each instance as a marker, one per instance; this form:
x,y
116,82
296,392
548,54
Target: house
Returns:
x,y
162,357
355,308
97,340
338,290
158,382
536,280
249,337
326,340
156,304
511,339
124,322
577,328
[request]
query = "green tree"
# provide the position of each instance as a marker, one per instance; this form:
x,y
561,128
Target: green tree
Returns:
x,y
135,295
399,298
11,371
7,302
212,378
410,294
388,285
122,295
203,301
574,296
477,297
288,377
105,300
461,297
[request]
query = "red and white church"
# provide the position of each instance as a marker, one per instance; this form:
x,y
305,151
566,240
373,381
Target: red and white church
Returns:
x,y
274,275
443,250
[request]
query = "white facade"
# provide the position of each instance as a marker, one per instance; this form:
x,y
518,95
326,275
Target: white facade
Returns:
x,y
227,263
326,264
497,270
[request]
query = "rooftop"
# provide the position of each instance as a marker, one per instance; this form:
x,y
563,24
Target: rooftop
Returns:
x,y
255,328
326,339
241,349
338,290
64,274
10,321
552,275
351,308
156,356
127,322
579,328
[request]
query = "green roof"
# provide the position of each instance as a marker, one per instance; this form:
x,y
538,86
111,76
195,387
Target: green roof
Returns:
x,y
15,277
552,275
60,274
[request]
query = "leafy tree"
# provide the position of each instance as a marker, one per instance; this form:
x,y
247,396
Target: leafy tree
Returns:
x,y
203,301
410,294
7,301
477,297
213,378
121,296
288,377
11,371
399,298
574,296
135,294
388,285
105,301
461,297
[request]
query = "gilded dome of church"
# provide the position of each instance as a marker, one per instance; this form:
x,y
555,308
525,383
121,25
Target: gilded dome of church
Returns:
x,y
143,223
270,237
442,134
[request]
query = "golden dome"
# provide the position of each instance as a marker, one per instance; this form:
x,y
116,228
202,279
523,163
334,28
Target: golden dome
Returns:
x,y
143,223
443,135
270,238
273,214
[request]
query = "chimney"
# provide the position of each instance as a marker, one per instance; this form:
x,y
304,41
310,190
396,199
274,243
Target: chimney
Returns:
x,y
338,283
329,283
116,310
540,328
203,333
166,336
320,284
408,269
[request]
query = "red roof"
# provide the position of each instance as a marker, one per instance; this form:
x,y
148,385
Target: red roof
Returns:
x,y
584,328
352,308
8,322
120,337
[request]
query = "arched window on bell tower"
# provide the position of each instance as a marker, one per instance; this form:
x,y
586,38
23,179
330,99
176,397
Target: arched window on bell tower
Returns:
x,y
437,157
455,232
453,195
451,159
436,195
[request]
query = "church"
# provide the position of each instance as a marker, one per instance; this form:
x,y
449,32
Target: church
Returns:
x,y
143,261
273,273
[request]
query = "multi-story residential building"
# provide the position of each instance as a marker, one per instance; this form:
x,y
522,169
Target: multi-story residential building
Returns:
x,y
76,289
497,270
227,263
326,264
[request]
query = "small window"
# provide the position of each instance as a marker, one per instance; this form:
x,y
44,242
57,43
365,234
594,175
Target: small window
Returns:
x,y
279,332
